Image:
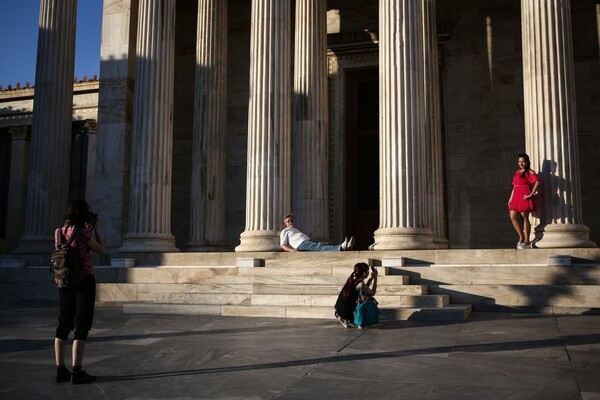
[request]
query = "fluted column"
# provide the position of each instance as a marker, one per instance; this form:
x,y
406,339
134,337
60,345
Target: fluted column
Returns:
x,y
310,189
551,122
149,227
268,174
402,135
433,127
17,184
115,119
48,181
207,225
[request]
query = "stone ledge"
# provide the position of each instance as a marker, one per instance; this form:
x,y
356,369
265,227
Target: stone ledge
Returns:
x,y
6,263
249,262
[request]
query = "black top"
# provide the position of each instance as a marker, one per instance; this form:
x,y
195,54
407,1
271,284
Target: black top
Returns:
x,y
345,305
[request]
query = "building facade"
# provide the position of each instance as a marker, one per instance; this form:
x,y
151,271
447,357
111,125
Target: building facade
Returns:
x,y
396,121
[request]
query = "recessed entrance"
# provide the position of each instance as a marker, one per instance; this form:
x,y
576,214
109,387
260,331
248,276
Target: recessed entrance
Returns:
x,y
362,156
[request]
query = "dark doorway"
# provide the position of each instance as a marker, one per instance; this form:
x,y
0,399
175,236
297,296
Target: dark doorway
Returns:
x,y
362,156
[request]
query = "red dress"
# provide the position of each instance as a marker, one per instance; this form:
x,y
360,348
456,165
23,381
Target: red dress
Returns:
x,y
523,187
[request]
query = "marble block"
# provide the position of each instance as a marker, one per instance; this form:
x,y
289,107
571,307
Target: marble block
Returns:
x,y
392,262
249,262
122,262
557,261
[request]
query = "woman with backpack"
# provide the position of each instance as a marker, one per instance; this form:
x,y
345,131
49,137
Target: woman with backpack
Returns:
x,y
76,301
348,297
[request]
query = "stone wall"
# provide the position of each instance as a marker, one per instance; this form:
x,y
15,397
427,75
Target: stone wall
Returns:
x,y
483,118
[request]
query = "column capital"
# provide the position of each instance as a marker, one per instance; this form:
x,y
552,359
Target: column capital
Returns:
x,y
91,125
20,132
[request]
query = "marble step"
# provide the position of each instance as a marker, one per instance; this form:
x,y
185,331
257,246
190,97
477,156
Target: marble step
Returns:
x,y
384,300
455,312
335,289
505,274
300,279
295,299
349,258
306,270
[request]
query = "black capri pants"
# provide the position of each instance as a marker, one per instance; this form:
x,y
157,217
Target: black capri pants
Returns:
x,y
76,306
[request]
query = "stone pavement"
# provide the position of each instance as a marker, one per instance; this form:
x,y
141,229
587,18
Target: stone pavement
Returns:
x,y
491,356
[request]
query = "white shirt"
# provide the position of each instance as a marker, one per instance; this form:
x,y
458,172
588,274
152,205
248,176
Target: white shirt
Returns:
x,y
292,237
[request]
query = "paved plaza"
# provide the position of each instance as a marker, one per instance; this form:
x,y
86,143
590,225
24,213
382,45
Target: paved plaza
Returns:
x,y
491,356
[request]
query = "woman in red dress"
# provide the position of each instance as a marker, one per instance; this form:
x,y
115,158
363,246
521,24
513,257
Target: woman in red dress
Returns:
x,y
521,202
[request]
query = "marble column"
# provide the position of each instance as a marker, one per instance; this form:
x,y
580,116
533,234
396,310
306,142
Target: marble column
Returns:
x,y
551,122
310,167
149,225
110,194
402,137
50,157
268,173
433,127
207,225
17,185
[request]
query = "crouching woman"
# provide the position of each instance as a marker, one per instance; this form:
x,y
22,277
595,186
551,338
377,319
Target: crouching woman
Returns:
x,y
348,297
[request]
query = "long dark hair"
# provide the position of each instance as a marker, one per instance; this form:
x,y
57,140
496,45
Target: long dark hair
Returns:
x,y
526,157
359,270
78,213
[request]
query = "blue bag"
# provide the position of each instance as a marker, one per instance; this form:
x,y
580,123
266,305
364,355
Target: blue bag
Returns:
x,y
366,312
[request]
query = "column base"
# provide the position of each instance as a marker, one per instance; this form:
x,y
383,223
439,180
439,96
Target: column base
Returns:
x,y
441,242
35,245
148,243
205,247
404,239
556,236
258,241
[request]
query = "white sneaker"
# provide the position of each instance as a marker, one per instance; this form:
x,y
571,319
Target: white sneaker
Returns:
x,y
344,244
342,320
521,246
351,243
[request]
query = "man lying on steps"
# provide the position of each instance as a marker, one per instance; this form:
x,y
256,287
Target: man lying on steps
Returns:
x,y
292,240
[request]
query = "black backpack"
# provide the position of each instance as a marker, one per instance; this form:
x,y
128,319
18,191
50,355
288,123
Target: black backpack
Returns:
x,y
64,263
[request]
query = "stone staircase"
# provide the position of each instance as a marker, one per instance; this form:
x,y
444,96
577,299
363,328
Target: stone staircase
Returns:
x,y
281,291
416,284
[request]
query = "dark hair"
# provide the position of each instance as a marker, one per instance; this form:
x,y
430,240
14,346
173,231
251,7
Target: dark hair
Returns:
x,y
526,157
288,216
359,270
78,213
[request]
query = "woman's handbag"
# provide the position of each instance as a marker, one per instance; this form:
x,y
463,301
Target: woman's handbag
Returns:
x,y
366,312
